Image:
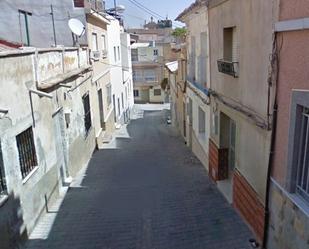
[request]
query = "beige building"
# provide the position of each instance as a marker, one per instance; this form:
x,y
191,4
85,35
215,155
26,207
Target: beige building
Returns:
x,y
241,35
197,79
102,91
149,55
177,83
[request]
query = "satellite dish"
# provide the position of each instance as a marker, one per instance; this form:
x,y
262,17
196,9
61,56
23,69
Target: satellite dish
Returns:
x,y
76,26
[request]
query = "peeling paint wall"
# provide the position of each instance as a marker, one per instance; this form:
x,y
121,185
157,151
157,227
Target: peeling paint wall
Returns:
x,y
17,76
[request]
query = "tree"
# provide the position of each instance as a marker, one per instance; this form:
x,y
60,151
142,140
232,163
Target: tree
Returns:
x,y
179,32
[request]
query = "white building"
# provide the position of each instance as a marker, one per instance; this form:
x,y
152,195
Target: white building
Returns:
x,y
120,71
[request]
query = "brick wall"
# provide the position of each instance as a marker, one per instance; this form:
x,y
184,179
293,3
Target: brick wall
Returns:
x,y
246,201
218,162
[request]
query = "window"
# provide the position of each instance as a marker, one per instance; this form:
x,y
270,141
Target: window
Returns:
x,y
3,188
87,113
229,43
115,54
26,152
150,75
118,49
136,93
94,42
302,181
122,101
24,26
138,76
78,3
202,60
215,123
157,92
109,94
201,120
155,52
118,102
103,42
134,55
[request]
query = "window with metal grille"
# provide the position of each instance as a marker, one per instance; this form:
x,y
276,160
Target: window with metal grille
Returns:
x,y
136,93
87,112
302,182
157,92
26,151
3,188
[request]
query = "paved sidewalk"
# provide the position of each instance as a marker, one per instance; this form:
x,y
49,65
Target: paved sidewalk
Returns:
x,y
146,192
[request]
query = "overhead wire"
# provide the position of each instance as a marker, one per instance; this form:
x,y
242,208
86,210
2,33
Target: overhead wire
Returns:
x,y
149,11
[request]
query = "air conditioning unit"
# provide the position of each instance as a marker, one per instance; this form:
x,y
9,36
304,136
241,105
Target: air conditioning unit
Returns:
x,y
95,55
104,53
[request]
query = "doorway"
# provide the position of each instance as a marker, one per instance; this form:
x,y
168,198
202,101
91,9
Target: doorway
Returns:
x,y
60,145
228,141
101,110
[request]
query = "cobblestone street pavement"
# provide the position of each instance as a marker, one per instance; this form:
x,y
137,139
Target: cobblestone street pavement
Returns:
x,y
149,192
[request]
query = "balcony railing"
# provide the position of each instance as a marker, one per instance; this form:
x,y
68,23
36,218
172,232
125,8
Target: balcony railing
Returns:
x,y
228,67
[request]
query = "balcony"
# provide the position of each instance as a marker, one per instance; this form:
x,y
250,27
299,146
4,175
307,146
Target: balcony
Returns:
x,y
228,67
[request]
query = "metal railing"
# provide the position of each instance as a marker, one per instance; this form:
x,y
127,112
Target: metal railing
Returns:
x,y
228,67
26,151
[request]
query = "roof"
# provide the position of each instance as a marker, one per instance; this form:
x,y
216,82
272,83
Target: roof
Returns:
x,y
197,3
6,45
172,66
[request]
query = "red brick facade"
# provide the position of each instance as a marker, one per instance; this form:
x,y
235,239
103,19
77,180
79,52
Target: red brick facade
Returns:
x,y
246,201
218,162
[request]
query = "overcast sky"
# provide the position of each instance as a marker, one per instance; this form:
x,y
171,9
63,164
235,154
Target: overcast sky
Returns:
x,y
135,17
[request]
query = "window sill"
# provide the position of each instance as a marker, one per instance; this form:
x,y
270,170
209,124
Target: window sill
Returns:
x,y
294,198
300,203
30,174
3,199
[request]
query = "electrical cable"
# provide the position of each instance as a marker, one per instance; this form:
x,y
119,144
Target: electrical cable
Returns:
x,y
150,12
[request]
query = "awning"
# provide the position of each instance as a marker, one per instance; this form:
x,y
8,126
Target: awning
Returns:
x,y
140,45
172,66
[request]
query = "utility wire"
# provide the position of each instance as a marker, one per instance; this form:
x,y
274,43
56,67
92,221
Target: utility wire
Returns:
x,y
149,11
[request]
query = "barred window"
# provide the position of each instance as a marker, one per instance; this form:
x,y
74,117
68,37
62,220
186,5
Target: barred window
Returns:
x,y
302,183
26,151
87,112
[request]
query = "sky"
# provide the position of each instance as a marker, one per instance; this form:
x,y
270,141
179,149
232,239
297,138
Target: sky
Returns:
x,y
134,17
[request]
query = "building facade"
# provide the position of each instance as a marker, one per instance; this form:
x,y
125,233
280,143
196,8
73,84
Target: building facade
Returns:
x,y
147,62
178,87
121,80
197,79
31,22
289,184
46,137
64,107
149,55
241,104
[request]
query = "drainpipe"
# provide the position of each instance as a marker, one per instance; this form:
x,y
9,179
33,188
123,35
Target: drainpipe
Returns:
x,y
275,66
269,170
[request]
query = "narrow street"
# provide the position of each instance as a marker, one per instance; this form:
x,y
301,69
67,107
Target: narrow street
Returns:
x,y
150,192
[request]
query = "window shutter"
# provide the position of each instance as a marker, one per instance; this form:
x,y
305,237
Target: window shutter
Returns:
x,y
235,46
